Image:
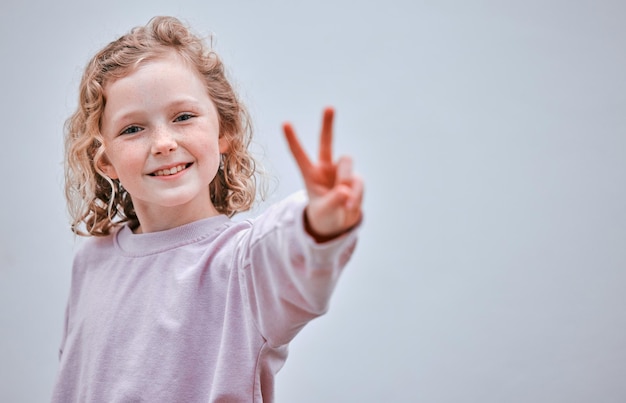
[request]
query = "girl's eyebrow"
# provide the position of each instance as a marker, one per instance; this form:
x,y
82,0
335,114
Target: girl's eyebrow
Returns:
x,y
187,101
126,114
183,101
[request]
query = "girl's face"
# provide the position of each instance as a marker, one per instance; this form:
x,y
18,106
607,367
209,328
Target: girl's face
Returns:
x,y
161,139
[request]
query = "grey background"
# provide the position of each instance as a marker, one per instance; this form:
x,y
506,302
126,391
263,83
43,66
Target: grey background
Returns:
x,y
492,138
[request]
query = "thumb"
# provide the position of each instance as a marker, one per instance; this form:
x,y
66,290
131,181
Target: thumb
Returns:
x,y
332,201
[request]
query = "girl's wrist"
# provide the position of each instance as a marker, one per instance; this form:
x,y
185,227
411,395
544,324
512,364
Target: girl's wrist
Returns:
x,y
317,236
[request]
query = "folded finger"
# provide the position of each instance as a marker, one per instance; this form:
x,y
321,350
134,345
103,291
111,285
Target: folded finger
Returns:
x,y
356,197
344,170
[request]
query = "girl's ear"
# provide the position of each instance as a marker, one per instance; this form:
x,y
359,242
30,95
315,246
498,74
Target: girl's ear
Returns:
x,y
105,166
224,144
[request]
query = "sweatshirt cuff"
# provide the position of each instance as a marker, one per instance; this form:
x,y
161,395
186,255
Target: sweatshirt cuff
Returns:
x,y
342,244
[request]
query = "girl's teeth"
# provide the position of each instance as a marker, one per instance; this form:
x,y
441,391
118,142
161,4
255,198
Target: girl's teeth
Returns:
x,y
170,171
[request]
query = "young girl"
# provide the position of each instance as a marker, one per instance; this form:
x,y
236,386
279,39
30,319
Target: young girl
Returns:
x,y
170,300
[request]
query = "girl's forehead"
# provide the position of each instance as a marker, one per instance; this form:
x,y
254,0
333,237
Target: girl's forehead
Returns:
x,y
168,57
155,85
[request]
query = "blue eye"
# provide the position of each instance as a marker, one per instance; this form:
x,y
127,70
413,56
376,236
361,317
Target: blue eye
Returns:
x,y
183,116
132,130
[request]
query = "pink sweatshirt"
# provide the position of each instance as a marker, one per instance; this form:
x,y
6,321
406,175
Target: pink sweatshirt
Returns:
x,y
198,313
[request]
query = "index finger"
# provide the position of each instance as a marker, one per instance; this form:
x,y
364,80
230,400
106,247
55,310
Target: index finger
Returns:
x,y
326,137
298,152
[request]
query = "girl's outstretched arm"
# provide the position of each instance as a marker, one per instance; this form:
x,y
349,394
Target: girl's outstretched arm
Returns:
x,y
335,192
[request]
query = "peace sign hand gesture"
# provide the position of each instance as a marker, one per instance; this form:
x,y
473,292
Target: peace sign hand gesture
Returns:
x,y
335,192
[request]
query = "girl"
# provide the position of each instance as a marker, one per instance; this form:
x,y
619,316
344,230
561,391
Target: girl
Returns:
x,y
170,300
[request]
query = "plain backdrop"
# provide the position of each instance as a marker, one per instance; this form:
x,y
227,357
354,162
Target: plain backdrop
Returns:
x,y
492,139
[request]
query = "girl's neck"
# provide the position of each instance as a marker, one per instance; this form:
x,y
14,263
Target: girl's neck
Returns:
x,y
160,218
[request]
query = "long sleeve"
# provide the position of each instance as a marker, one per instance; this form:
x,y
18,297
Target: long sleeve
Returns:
x,y
288,278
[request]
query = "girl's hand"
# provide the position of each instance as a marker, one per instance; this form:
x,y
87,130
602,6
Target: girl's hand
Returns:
x,y
335,192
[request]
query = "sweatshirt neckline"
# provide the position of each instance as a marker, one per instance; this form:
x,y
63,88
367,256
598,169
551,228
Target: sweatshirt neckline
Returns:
x,y
161,241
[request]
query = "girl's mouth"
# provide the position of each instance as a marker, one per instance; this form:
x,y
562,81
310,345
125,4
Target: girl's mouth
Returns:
x,y
171,171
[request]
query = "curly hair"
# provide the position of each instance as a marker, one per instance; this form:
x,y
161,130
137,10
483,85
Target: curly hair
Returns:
x,y
100,203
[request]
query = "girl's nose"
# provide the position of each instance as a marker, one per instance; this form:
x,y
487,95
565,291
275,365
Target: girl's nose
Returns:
x,y
163,142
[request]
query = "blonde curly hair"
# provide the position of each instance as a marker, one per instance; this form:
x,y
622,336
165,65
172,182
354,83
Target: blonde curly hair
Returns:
x,y
98,203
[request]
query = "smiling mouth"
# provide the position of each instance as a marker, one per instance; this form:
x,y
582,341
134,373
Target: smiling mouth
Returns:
x,y
171,171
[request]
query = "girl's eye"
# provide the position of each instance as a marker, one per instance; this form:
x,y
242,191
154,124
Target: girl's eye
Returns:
x,y
182,117
131,130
